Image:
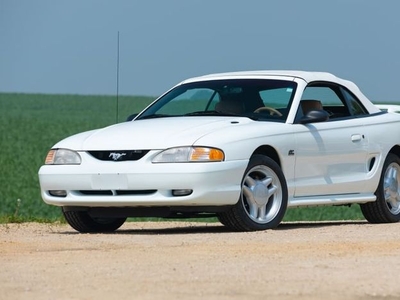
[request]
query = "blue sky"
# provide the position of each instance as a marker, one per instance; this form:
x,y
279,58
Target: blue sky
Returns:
x,y
71,46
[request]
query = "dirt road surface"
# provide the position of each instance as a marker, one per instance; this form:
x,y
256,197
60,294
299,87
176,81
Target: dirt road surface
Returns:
x,y
181,260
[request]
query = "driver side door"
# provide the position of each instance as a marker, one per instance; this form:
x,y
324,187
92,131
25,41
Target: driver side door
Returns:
x,y
330,156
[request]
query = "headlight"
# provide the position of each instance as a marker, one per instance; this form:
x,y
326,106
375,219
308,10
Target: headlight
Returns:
x,y
62,157
189,154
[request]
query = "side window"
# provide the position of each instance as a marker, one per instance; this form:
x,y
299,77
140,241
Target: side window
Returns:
x,y
329,98
324,94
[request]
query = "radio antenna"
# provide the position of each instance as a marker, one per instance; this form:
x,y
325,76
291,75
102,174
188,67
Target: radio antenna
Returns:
x,y
117,76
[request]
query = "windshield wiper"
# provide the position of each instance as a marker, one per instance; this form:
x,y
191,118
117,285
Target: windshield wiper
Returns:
x,y
225,114
203,113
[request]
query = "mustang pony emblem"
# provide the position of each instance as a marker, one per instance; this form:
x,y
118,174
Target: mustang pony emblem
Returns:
x,y
116,155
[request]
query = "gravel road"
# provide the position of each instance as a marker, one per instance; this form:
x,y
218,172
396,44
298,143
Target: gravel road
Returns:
x,y
182,260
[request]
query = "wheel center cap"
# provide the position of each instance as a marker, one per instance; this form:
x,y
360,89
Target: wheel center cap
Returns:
x,y
261,194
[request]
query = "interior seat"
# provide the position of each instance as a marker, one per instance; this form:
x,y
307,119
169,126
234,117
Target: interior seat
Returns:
x,y
309,105
231,106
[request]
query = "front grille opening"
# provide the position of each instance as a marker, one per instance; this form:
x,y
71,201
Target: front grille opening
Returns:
x,y
116,192
119,155
135,192
97,193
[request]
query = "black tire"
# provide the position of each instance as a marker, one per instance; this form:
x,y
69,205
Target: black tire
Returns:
x,y
386,207
83,222
263,198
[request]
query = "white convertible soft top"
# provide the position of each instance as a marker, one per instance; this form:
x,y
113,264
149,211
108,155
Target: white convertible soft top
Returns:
x,y
307,76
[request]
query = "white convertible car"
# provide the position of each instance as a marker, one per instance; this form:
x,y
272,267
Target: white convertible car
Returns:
x,y
243,146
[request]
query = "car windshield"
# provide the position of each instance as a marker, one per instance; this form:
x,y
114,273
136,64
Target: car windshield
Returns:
x,y
258,99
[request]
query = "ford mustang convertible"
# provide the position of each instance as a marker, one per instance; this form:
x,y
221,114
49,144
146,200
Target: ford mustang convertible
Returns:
x,y
242,146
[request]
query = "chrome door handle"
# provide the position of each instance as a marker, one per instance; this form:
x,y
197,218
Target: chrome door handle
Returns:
x,y
356,137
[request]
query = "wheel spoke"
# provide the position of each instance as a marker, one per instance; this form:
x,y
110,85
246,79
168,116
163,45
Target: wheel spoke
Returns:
x,y
267,181
272,190
250,182
389,177
393,173
248,193
394,204
262,212
253,209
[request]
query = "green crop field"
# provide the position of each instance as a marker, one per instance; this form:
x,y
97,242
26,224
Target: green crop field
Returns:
x,y
32,123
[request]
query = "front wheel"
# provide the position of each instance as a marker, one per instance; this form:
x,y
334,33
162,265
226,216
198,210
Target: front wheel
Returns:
x,y
386,207
263,197
83,222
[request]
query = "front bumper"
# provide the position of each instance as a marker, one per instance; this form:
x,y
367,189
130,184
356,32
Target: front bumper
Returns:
x,y
142,183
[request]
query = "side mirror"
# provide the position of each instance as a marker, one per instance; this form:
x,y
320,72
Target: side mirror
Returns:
x,y
131,117
314,116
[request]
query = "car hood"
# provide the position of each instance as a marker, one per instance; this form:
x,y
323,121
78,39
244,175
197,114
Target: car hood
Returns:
x,y
152,134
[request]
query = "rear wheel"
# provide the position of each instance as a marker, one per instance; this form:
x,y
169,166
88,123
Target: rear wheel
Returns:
x,y
263,197
83,222
386,207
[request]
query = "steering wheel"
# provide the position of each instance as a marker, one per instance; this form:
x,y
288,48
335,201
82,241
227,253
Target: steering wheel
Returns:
x,y
272,111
